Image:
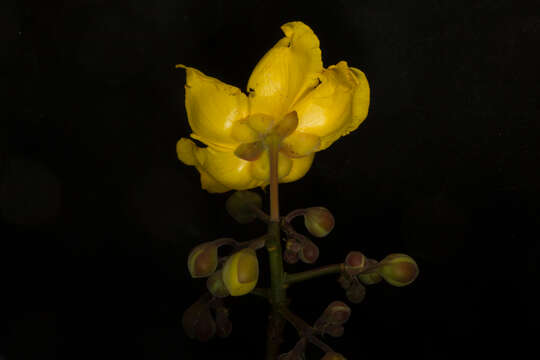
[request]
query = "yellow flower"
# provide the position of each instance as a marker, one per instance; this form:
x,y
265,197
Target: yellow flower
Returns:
x,y
290,95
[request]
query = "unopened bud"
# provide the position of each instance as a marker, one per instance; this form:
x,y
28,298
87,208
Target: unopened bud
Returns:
x,y
369,279
319,221
355,262
241,204
370,276
203,260
223,323
356,293
198,322
216,286
309,252
241,272
398,269
345,280
290,257
335,330
337,313
333,356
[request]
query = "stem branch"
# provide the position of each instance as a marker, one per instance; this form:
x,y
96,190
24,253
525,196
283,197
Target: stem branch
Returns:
x,y
310,274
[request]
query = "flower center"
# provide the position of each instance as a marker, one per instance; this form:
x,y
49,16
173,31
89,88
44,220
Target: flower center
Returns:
x,y
258,130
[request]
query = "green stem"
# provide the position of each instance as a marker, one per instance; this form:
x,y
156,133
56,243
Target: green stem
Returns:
x,y
273,246
310,274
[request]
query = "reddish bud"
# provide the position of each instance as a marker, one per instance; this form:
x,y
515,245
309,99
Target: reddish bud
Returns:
x,y
356,293
337,313
335,330
345,280
203,260
290,257
309,252
198,322
355,262
319,221
223,323
398,269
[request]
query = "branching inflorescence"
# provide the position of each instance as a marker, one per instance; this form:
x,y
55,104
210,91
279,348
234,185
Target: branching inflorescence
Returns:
x,y
295,108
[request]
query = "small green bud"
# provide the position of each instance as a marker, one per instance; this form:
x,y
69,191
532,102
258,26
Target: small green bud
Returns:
x,y
198,322
333,356
319,221
216,286
241,272
370,278
355,262
240,206
203,260
398,269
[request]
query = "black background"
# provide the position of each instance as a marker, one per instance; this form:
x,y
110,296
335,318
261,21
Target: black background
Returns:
x,y
98,215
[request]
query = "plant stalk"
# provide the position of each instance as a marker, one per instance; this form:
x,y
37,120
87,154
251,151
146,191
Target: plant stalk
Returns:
x,y
278,297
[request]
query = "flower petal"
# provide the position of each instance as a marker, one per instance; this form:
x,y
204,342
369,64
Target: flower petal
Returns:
x,y
212,108
186,149
222,166
337,106
286,72
300,144
299,168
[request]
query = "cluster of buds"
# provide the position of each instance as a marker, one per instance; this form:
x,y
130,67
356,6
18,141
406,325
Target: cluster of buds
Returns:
x,y
319,222
332,319
238,276
300,248
397,269
199,324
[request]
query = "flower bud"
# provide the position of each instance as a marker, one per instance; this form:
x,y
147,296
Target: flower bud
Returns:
x,y
333,356
216,286
355,262
223,323
337,313
398,269
240,206
335,330
370,276
345,280
198,322
369,279
241,272
319,221
203,260
290,257
309,253
356,293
